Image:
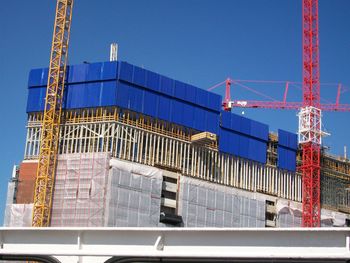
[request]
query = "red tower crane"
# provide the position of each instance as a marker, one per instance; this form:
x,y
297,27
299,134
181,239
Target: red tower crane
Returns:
x,y
310,113
310,133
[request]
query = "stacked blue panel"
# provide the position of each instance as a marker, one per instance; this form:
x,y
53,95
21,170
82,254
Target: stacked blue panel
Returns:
x,y
247,138
77,73
89,95
242,145
286,150
126,72
286,159
153,106
87,85
36,99
38,77
109,70
287,139
244,125
169,87
164,108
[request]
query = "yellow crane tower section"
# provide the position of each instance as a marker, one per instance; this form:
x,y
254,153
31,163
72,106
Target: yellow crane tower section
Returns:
x,y
49,139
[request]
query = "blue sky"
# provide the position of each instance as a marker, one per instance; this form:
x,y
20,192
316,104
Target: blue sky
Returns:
x,y
196,41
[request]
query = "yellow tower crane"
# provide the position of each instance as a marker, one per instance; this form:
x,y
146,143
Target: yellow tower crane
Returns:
x,y
49,139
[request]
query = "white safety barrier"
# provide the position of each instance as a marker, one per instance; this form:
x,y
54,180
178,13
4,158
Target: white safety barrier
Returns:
x,y
100,244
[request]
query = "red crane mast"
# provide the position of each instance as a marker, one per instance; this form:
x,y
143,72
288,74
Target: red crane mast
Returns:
x,y
310,113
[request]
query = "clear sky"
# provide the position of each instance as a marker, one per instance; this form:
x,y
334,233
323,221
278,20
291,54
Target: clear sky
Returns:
x,y
201,42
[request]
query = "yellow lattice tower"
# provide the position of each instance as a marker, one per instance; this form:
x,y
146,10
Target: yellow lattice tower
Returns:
x,y
52,115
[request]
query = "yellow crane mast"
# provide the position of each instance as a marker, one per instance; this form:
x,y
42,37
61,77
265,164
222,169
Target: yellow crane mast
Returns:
x,y
49,139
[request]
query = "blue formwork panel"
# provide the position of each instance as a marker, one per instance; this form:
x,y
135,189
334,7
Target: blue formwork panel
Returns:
x,y
109,70
122,95
199,122
135,96
259,130
38,77
108,93
224,141
83,95
236,123
286,158
257,150
191,92
152,81
214,101
241,145
93,72
287,139
75,97
282,138
139,77
262,152
243,150
36,99
180,90
126,72
188,116
177,112
202,97
92,95
77,73
245,125
212,122
164,108
167,86
234,143
225,119
151,104
293,141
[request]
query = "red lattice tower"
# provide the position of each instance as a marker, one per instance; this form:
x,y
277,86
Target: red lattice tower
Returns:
x,y
310,117
310,112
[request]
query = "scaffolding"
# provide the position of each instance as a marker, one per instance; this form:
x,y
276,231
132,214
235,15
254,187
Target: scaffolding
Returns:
x,y
80,190
126,136
133,137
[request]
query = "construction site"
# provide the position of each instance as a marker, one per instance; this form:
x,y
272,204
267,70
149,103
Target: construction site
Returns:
x,y
112,144
127,157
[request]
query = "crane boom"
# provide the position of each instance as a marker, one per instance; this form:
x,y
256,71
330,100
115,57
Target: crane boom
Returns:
x,y
49,139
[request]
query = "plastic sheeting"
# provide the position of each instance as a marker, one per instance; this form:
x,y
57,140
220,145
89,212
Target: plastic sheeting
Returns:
x,y
289,214
18,215
80,190
203,204
134,195
10,192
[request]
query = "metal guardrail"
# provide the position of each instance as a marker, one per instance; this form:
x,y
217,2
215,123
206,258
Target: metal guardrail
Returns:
x,y
100,244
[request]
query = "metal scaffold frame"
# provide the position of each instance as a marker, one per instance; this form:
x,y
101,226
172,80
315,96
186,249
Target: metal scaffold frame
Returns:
x,y
125,138
52,115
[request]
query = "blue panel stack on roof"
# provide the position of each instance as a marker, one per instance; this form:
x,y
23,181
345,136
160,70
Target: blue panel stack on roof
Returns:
x,y
87,85
286,150
168,99
140,90
243,137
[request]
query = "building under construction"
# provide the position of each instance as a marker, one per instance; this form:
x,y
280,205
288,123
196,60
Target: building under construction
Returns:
x,y
141,149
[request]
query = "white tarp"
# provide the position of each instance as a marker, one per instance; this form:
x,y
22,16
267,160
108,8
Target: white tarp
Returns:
x,y
134,195
289,214
80,190
18,215
205,204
